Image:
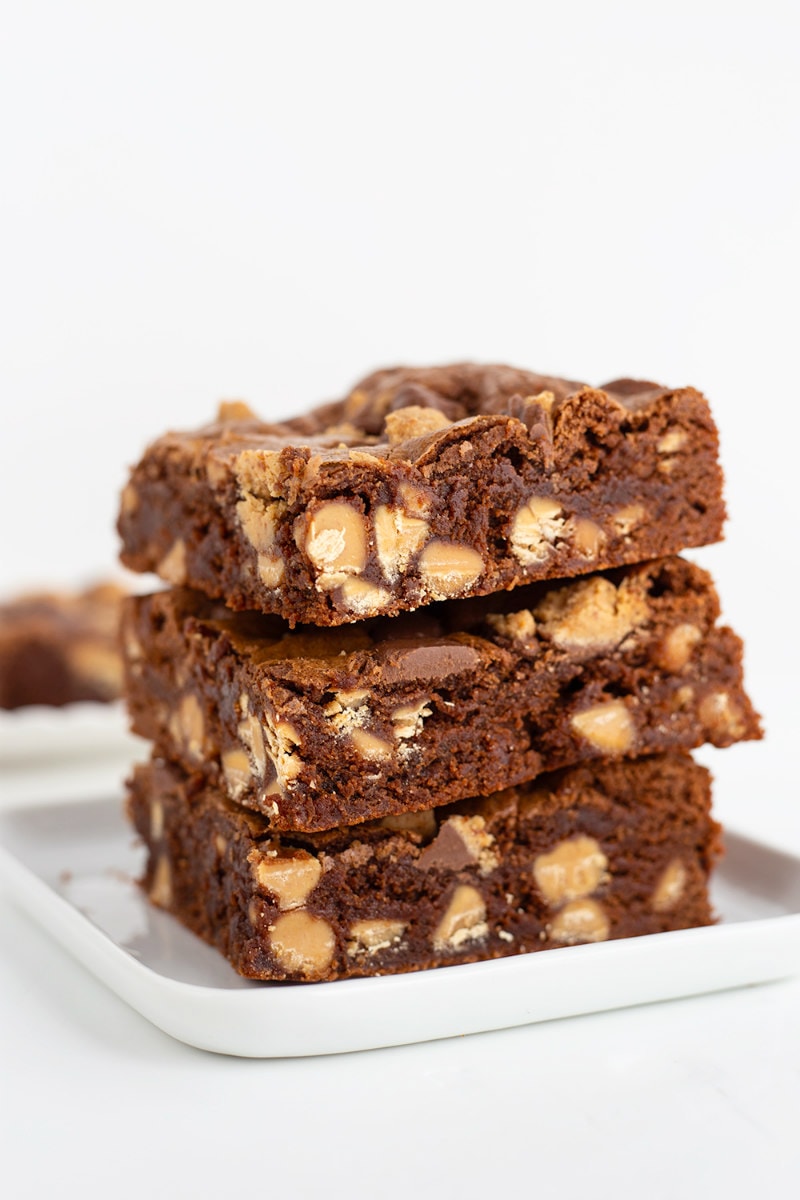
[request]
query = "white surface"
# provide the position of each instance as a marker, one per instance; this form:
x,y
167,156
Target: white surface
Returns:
x,y
35,736
72,868
266,200
696,1097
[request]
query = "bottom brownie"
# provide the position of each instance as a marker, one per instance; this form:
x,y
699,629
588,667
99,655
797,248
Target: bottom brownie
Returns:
x,y
609,850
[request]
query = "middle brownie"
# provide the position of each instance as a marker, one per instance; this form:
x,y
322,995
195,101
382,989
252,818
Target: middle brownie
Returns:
x,y
317,728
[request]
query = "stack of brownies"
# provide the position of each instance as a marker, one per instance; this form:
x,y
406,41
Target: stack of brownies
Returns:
x,y
424,685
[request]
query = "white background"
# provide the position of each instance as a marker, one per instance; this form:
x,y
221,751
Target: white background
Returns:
x,y
266,200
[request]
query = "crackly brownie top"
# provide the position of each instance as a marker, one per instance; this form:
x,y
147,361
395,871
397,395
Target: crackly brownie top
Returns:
x,y
467,390
402,413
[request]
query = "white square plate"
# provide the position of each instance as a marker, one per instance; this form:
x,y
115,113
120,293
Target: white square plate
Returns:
x,y
71,867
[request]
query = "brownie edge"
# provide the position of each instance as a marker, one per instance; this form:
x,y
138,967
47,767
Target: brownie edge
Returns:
x,y
609,850
422,485
316,728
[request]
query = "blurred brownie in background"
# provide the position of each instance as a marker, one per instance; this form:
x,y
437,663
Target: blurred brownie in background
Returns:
x,y
58,648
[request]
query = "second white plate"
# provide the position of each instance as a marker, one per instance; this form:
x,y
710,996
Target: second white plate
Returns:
x,y
40,736
72,866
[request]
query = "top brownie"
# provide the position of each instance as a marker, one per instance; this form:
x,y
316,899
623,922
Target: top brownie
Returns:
x,y
423,484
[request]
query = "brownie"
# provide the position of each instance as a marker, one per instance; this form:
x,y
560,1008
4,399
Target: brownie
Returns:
x,y
424,484
58,648
316,728
608,850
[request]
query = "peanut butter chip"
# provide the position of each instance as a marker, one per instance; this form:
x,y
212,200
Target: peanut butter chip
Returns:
x,y
290,879
283,744
398,537
173,565
722,717
235,410
608,727
237,772
580,921
591,614
668,446
256,519
188,727
408,719
573,870
370,746
134,651
670,887
259,472
348,711
271,570
464,920
677,646
368,937
587,537
412,422
448,568
363,597
354,698
252,735
161,885
535,528
627,518
422,823
156,821
671,441
415,502
336,543
303,944
518,626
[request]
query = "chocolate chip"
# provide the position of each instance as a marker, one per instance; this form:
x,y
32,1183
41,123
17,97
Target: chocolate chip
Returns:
x,y
428,662
447,852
